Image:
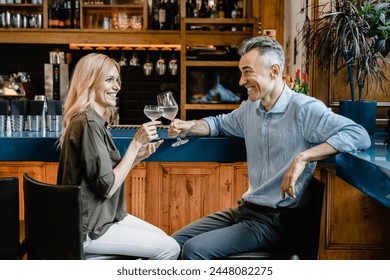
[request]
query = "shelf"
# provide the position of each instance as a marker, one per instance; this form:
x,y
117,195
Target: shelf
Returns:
x,y
199,63
121,6
85,36
216,38
20,5
211,106
225,21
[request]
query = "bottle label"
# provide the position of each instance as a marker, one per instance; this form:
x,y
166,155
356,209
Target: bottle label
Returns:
x,y
161,16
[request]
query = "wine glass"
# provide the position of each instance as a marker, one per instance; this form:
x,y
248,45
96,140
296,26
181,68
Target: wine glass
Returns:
x,y
172,65
123,59
134,61
153,112
148,66
169,104
160,65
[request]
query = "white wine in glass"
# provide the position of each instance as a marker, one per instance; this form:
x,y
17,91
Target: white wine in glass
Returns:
x,y
169,104
153,112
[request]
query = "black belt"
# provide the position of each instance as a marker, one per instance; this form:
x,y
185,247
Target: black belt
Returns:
x,y
262,209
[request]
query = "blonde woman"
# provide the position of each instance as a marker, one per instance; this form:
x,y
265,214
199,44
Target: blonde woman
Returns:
x,y
90,159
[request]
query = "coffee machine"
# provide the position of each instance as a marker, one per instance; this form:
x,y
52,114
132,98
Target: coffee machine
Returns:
x,y
56,76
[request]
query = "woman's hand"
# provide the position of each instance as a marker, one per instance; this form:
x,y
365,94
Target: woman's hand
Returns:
x,y
146,133
147,150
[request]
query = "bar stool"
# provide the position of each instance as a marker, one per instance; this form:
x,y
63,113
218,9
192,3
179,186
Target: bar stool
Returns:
x,y
53,223
306,248
10,247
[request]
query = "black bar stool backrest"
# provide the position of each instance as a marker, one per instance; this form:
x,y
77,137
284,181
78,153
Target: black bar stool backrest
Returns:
x,y
9,219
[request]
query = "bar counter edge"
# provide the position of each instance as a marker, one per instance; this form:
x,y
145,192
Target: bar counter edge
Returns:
x,y
368,170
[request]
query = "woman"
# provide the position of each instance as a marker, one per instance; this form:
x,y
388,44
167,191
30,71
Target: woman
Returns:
x,y
90,159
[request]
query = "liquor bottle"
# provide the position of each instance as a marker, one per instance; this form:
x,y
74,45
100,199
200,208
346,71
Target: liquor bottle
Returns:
x,y
76,15
190,6
234,14
196,10
168,18
240,7
162,15
67,14
236,11
221,9
155,23
214,12
175,13
54,14
61,15
204,11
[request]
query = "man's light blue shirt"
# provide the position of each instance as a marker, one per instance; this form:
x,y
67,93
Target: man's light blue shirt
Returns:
x,y
273,139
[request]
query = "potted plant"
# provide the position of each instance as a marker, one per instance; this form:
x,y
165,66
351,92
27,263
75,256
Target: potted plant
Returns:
x,y
352,35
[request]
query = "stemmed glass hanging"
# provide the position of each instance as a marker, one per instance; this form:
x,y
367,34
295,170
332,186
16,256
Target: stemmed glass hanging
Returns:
x,y
134,61
123,59
173,65
148,66
160,65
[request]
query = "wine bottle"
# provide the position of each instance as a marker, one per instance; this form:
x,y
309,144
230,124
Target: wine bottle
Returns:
x,y
76,15
162,15
176,15
168,17
155,7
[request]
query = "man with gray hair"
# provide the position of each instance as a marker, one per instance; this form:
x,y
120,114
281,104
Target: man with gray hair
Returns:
x,y
285,134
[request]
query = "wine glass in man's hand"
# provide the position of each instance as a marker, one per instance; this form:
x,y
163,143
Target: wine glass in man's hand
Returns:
x,y
170,107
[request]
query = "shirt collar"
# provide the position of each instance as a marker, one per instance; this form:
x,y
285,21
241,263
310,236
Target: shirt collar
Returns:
x,y
95,116
282,102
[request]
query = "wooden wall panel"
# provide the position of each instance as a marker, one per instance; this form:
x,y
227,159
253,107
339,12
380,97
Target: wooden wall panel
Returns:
x,y
354,226
188,192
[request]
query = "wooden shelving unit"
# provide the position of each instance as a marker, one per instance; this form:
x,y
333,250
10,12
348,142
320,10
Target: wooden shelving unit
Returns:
x,y
220,35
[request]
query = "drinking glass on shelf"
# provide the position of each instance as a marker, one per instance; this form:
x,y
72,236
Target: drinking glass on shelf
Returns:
x,y
170,107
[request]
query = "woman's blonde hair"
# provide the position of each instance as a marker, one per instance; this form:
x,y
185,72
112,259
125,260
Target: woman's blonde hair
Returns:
x,y
90,71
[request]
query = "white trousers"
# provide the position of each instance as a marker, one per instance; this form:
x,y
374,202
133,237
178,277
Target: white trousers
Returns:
x,y
134,237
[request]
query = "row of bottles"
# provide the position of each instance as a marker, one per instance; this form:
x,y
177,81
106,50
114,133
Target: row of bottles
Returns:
x,y
165,15
214,8
64,14
17,2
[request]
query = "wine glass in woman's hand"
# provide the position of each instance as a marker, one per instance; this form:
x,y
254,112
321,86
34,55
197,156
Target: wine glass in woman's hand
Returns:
x,y
153,112
170,107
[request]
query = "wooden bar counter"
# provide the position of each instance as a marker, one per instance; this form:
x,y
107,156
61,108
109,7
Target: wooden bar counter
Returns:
x,y
175,186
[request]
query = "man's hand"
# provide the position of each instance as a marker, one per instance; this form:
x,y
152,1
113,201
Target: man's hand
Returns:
x,y
290,178
178,126
298,165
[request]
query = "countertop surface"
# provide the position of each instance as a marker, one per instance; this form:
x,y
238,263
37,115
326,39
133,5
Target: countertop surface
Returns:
x,y
368,170
38,146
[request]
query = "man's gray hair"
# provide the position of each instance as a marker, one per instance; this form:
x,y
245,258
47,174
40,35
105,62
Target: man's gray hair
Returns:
x,y
267,47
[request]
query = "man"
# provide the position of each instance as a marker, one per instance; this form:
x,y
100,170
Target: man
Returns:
x,y
285,133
